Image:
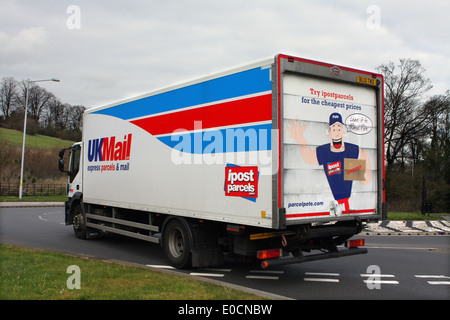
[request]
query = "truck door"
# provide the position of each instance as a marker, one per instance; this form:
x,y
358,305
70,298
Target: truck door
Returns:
x,y
75,175
72,168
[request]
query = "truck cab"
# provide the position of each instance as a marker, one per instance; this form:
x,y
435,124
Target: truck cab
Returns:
x,y
70,162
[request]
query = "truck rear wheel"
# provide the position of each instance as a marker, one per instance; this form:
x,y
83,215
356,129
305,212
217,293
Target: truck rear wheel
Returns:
x,y
79,222
176,244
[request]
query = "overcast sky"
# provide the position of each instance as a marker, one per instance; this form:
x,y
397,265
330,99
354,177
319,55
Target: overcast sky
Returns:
x,y
109,50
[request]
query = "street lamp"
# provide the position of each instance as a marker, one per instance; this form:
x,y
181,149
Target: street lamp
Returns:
x,y
25,129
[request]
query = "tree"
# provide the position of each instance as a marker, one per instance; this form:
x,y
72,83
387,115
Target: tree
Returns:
x,y
46,113
417,139
38,99
76,117
55,114
405,120
8,96
436,152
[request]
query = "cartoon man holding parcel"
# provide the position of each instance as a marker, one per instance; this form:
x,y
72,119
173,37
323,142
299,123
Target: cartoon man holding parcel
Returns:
x,y
343,162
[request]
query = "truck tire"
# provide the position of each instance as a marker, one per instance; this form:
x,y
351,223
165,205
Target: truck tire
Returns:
x,y
176,244
79,222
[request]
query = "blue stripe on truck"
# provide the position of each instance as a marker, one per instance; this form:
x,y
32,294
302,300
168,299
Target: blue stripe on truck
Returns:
x,y
239,84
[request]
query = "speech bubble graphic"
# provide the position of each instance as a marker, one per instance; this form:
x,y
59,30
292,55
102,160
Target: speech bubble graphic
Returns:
x,y
358,123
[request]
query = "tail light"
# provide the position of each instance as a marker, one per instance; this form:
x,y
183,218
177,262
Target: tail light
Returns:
x,y
354,243
268,254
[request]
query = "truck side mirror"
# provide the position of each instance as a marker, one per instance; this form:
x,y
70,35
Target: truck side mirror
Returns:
x,y
61,160
62,155
61,164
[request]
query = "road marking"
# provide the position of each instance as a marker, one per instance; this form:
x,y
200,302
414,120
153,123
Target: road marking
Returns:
x,y
249,276
157,266
321,280
400,248
216,269
317,276
380,281
207,274
322,274
268,271
377,275
431,276
434,277
264,277
41,216
374,278
439,282
200,274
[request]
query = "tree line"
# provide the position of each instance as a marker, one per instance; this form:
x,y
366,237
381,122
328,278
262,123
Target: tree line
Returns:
x,y
47,114
417,139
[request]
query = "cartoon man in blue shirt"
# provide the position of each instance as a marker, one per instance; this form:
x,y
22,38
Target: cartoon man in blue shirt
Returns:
x,y
332,157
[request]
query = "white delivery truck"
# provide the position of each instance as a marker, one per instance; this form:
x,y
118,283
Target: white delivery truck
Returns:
x,y
272,160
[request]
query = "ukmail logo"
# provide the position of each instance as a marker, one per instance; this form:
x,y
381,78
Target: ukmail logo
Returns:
x,y
241,182
109,149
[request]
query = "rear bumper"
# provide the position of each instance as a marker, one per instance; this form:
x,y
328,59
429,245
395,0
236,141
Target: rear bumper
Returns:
x,y
325,238
313,257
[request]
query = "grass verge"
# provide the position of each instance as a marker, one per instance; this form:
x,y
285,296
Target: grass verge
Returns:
x,y
61,198
27,274
414,216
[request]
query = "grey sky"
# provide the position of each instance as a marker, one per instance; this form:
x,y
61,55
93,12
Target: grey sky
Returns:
x,y
111,50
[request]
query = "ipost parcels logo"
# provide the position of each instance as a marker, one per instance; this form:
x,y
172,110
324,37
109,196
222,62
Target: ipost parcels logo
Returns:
x,y
241,181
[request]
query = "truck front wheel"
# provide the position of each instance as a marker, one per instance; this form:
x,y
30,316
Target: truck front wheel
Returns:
x,y
79,222
176,244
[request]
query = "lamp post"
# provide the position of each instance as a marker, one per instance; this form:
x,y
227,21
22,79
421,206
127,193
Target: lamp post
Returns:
x,y
25,129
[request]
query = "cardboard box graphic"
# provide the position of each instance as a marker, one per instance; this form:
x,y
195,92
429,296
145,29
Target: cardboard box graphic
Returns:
x,y
354,169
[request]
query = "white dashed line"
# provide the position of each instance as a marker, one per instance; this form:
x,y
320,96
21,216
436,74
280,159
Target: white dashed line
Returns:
x,y
200,274
446,283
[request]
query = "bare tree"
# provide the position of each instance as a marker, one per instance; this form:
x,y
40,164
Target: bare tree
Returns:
x,y
38,99
54,112
405,119
438,147
76,117
8,96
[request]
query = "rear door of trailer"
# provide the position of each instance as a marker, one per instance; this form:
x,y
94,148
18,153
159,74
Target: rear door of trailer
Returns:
x,y
320,179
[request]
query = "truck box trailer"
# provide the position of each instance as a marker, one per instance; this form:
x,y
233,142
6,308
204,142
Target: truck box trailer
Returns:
x,y
272,160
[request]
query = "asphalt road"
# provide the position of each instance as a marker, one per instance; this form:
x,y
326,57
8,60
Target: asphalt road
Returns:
x,y
396,267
